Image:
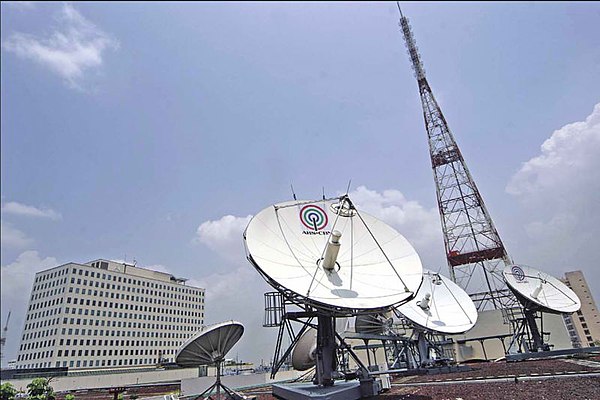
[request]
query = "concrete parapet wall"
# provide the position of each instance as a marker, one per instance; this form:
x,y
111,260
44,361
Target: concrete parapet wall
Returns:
x,y
69,383
198,385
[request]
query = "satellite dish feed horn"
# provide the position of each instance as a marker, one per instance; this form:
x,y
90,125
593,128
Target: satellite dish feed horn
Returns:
x,y
424,304
537,290
331,251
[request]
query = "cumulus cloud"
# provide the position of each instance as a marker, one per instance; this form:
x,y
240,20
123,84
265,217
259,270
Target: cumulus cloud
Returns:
x,y
565,177
12,237
568,152
227,284
16,280
559,192
70,50
224,235
15,208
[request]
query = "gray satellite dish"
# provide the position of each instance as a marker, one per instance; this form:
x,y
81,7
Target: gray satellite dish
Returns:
x,y
304,353
209,346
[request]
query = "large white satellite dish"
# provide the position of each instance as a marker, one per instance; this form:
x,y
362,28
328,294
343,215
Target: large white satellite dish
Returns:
x,y
441,306
332,256
539,291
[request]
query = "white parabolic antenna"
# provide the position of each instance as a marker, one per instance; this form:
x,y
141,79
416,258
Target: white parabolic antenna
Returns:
x,y
331,255
210,344
538,290
440,305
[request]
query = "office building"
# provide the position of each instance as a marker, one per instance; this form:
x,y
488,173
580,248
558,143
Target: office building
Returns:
x,y
106,314
584,325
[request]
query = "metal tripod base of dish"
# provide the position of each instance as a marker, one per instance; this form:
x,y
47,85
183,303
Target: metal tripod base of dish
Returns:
x,y
220,391
350,390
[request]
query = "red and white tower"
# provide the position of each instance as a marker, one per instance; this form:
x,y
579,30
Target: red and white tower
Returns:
x,y
474,250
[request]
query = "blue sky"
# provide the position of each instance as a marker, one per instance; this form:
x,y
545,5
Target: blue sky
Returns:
x,y
130,130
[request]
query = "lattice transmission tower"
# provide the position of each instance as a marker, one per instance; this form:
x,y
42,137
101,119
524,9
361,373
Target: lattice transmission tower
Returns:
x,y
474,250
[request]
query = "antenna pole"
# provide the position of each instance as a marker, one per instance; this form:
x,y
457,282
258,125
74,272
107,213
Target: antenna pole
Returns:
x,y
293,194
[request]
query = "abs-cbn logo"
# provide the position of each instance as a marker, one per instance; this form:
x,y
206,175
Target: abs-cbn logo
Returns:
x,y
518,273
315,219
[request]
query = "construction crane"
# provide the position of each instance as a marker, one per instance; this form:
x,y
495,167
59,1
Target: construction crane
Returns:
x,y
3,337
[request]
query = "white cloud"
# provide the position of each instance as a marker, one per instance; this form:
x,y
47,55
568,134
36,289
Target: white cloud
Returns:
x,y
226,285
12,237
566,162
559,194
16,280
15,208
74,47
224,235
563,182
17,277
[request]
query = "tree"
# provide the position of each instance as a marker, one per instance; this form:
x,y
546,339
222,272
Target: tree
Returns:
x,y
40,389
70,397
7,391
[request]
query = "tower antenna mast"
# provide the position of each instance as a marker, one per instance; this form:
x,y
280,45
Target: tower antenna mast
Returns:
x,y
474,251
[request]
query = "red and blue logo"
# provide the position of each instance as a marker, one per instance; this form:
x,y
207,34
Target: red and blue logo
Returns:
x,y
313,217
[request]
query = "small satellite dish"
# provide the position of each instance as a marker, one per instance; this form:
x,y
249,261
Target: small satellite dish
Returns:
x,y
209,345
332,256
304,353
440,305
537,290
373,324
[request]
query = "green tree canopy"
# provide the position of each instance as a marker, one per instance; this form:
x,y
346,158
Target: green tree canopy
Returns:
x,y
40,389
7,391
